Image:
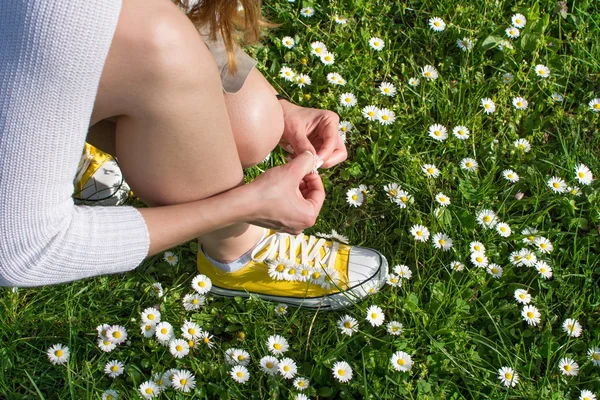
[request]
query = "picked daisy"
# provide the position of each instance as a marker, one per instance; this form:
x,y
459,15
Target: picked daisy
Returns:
x,y
277,344
287,73
508,376
401,361
510,175
355,197
375,315
58,354
572,327
465,44
568,366
583,174
438,132
114,368
523,145
594,105
403,271
420,233
442,199
430,170
201,284
520,103
288,42
183,380
170,258
318,48
394,328
149,390
307,12
542,71
503,229
327,58
347,99
437,24
387,89
269,365
442,241
376,43
301,383
288,368
429,72
414,82
531,315
240,374
512,32
519,20
347,325
342,371
522,296
386,116
469,164
461,132
151,315
488,105
557,185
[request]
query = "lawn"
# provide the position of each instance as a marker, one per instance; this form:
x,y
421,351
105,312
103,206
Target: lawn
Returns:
x,y
473,137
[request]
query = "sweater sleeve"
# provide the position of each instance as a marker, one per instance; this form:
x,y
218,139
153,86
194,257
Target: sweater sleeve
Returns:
x,y
51,57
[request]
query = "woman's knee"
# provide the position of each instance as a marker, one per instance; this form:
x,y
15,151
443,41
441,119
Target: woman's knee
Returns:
x,y
256,119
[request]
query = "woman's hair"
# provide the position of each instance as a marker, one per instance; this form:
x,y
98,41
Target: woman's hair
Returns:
x,y
234,20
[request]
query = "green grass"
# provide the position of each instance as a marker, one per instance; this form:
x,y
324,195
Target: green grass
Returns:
x,y
459,327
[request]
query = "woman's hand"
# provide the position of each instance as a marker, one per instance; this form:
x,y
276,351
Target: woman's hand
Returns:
x,y
287,198
310,129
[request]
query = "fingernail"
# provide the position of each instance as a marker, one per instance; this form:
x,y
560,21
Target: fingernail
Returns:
x,y
309,152
319,162
289,148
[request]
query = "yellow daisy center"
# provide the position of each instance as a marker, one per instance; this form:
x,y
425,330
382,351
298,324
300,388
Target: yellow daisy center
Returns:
x,y
520,103
487,218
239,374
241,358
468,164
343,129
442,199
301,383
178,347
495,270
530,314
556,185
58,353
354,197
522,296
164,331
195,301
192,331
436,23
508,375
597,106
151,316
478,259
286,368
280,268
114,368
567,367
392,192
430,170
206,340
341,372
182,382
437,133
596,356
386,90
400,361
347,325
149,391
427,74
109,397
542,270
419,233
487,106
318,50
277,346
374,316
201,284
269,364
148,327
376,44
281,309
106,343
403,198
116,335
442,241
385,117
543,245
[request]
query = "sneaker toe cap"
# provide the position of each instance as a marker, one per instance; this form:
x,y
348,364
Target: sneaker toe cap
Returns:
x,y
364,265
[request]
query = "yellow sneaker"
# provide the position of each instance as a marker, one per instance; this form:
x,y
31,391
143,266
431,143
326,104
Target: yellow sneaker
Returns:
x,y
302,271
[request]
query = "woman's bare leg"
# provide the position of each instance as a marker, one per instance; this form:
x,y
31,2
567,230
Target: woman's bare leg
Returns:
x,y
173,136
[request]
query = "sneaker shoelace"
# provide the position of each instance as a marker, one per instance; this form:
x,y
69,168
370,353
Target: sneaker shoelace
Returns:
x,y
309,250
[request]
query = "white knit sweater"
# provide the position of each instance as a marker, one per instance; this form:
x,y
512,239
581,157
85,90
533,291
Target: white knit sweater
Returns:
x,y
51,57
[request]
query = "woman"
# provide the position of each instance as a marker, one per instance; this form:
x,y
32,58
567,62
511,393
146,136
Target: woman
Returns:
x,y
181,143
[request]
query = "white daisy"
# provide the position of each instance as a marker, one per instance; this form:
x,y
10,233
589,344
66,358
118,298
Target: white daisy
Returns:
x,y
394,328
183,380
542,71
461,132
301,383
240,374
512,32
476,247
345,127
457,266
370,112
277,344
469,164
179,348
543,245
403,271
347,325
392,190
523,145
278,268
281,309
207,339
587,395
557,185
114,368
557,97
572,327
164,332
442,199
487,218
403,199
240,357
347,99
340,20
510,175
401,361
106,346
503,229
429,72
508,376
149,390
488,105
479,259
287,368
437,24
110,395
519,20
287,73
288,42
307,12
438,132
528,257
414,82
531,315
465,44
583,174
386,116
420,233
269,365
354,197
116,334
522,296
318,48
151,315
191,330
167,377
327,58
291,272
505,45
520,103
376,43
201,284
594,105
342,371
147,329
302,80
170,258
430,170
375,315
387,89
594,355
102,330
58,354
495,270
193,301
335,79
507,77
568,366
442,241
